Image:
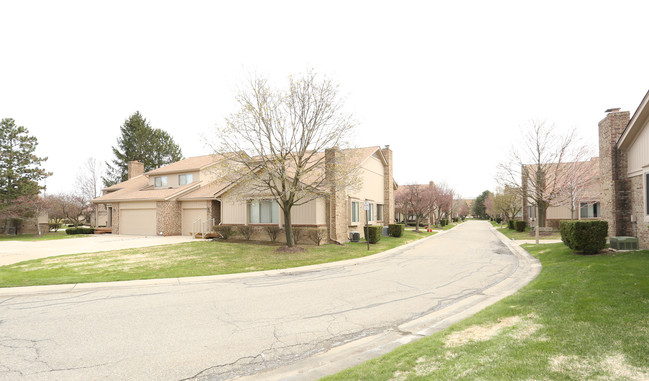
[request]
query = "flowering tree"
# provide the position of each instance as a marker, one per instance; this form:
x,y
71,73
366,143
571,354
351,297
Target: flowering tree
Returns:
x,y
416,200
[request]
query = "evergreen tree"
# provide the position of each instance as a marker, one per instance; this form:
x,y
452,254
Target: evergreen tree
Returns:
x,y
139,141
20,169
479,209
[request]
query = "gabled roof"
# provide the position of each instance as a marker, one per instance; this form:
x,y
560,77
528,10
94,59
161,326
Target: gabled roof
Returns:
x,y
635,125
138,189
191,164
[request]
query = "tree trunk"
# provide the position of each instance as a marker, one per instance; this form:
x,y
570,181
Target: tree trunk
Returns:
x,y
288,228
541,218
417,223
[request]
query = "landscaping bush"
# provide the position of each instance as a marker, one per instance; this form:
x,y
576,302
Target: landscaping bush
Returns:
x,y
443,222
373,233
520,226
588,237
510,224
54,226
396,230
297,234
317,235
225,231
246,231
273,232
70,231
455,219
499,220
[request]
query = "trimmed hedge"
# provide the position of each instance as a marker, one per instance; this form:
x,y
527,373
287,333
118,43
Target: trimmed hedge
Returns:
x,y
396,230
588,237
80,231
225,231
520,226
374,234
510,224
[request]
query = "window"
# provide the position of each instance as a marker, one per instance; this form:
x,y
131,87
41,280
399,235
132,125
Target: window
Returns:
x,y
185,179
264,212
161,181
589,210
370,213
379,212
355,211
532,211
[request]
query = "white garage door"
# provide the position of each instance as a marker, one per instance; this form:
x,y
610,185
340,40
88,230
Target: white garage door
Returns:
x,y
191,215
137,221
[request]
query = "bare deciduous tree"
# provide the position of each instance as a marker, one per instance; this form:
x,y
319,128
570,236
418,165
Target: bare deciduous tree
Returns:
x,y
88,185
415,200
537,166
508,203
275,143
442,201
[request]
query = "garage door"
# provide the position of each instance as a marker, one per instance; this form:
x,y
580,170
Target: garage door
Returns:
x,y
191,215
137,221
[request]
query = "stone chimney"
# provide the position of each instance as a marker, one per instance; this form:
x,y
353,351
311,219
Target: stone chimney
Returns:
x,y
615,187
388,188
135,168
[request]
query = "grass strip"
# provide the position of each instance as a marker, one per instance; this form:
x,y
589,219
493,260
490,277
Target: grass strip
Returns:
x,y
183,260
583,317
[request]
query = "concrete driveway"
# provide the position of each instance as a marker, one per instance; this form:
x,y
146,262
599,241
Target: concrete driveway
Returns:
x,y
18,251
285,324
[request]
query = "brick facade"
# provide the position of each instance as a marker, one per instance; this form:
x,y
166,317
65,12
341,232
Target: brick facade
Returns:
x,y
168,218
639,228
115,218
337,201
388,188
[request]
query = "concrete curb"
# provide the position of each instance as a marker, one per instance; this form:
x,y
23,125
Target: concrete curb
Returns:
x,y
362,350
75,287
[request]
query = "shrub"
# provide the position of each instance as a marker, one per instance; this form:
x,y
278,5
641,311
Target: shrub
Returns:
x,y
225,231
520,226
317,235
396,230
297,234
54,226
455,219
588,237
70,231
499,220
510,224
373,233
246,231
272,231
443,222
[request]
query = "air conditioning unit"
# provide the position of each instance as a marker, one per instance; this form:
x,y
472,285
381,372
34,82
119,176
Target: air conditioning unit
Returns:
x,y
355,236
624,243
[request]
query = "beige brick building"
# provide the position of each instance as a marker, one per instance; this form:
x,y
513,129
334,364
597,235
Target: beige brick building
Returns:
x,y
624,172
187,197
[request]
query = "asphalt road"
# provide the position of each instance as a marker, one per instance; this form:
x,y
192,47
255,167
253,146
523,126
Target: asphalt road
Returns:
x,y
227,326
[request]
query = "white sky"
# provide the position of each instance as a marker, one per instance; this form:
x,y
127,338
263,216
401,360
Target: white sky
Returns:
x,y
446,83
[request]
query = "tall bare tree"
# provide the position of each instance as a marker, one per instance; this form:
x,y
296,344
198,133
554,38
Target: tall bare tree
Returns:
x,y
89,184
508,202
442,201
275,142
537,166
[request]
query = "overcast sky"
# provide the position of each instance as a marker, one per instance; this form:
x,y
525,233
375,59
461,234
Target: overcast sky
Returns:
x,y
448,84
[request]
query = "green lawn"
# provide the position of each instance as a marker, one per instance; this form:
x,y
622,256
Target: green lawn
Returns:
x,y
182,260
583,318
47,236
527,234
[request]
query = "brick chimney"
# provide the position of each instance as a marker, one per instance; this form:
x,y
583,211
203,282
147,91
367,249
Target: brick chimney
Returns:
x,y
337,199
388,187
135,168
615,186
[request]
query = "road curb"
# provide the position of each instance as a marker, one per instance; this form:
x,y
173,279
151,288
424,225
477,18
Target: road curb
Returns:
x,y
76,287
367,348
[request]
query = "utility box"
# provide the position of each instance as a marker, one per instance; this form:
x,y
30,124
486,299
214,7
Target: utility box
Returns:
x,y
355,236
385,231
624,243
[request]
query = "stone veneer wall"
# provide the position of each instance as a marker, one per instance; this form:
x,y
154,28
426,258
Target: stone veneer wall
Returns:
x,y
115,218
641,228
337,202
168,218
615,186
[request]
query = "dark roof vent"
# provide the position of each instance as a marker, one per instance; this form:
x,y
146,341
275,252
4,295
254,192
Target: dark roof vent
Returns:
x,y
614,109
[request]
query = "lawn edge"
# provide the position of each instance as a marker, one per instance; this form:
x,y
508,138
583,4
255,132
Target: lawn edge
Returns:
x,y
55,288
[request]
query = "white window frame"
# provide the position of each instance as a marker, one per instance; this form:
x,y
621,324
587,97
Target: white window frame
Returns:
x,y
185,178
379,216
257,220
160,181
355,207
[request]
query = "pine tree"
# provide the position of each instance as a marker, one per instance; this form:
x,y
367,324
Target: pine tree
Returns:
x,y
20,169
139,141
